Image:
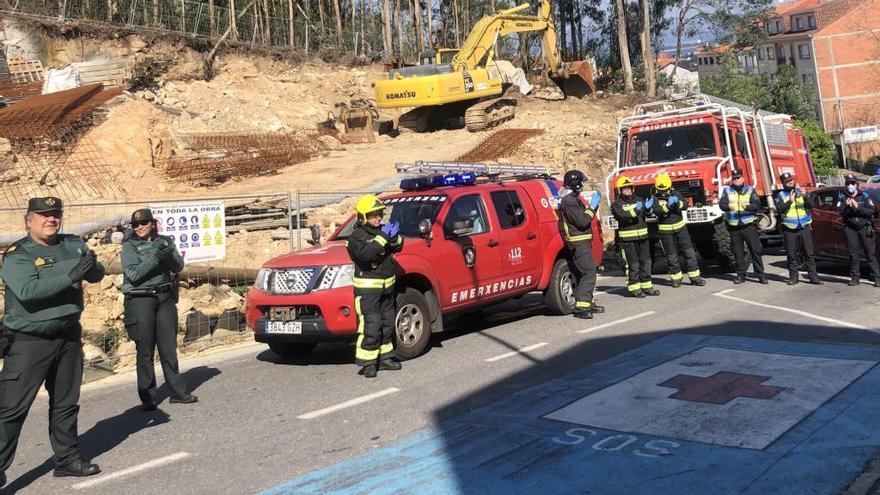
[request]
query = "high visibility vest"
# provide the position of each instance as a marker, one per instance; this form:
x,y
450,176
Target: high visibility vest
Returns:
x,y
797,216
738,203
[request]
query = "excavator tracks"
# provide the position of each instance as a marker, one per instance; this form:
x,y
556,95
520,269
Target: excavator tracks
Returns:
x,y
489,113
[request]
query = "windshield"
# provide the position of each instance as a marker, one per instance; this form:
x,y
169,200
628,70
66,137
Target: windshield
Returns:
x,y
673,144
406,211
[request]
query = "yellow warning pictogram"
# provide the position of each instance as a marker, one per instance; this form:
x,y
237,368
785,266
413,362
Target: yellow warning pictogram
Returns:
x,y
206,222
207,240
218,222
218,238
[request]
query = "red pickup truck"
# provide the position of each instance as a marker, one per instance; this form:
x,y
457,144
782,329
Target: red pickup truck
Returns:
x,y
468,244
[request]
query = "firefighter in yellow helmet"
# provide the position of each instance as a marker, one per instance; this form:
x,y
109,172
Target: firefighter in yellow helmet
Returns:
x,y
669,209
371,246
632,237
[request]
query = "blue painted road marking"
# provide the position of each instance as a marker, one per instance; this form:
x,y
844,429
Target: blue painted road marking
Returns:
x,y
612,428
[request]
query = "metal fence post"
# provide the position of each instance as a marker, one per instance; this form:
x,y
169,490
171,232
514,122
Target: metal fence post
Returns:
x,y
290,223
298,221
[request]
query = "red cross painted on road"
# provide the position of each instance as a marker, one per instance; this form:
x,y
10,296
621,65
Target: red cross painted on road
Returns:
x,y
720,388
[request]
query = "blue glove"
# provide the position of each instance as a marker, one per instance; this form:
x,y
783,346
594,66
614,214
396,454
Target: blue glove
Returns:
x,y
640,206
594,200
391,229
673,200
649,203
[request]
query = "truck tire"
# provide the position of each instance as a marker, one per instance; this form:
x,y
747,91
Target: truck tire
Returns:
x,y
559,296
412,329
724,255
292,349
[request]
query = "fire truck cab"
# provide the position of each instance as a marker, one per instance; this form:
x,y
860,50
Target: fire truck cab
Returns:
x,y
698,140
474,235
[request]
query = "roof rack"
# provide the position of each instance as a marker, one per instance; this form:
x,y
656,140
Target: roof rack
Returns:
x,y
428,167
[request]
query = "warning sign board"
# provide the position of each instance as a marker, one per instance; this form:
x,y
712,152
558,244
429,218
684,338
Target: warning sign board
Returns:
x,y
198,228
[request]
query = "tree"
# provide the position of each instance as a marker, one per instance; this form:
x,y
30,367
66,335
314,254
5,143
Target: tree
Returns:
x,y
624,47
789,96
821,147
647,52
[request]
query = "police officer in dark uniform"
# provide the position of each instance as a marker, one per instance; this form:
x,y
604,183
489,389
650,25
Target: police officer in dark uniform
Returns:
x,y
632,238
371,246
794,208
43,274
740,205
150,263
857,211
577,230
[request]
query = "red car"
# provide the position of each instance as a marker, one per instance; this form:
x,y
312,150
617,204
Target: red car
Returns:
x,y
467,245
828,224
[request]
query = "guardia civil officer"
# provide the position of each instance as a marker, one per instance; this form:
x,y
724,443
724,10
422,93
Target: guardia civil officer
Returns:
x,y
857,211
669,209
43,274
149,262
577,228
740,205
371,247
632,238
794,208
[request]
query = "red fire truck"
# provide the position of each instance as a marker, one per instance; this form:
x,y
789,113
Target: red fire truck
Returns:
x,y
475,235
698,140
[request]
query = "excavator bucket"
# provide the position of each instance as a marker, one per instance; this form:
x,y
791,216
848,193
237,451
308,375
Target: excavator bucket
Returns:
x,y
357,119
577,79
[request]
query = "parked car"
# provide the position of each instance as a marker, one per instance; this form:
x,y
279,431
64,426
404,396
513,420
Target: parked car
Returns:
x,y
828,224
874,179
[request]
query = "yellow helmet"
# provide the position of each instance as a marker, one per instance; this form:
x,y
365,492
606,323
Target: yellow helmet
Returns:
x,y
623,181
369,203
663,182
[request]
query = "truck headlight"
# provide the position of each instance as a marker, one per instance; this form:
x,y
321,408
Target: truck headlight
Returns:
x,y
336,276
262,281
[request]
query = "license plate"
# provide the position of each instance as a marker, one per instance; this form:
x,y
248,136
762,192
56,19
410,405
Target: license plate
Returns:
x,y
284,327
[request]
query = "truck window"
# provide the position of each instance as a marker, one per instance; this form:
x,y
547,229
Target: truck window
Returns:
x,y
673,144
509,209
408,211
467,208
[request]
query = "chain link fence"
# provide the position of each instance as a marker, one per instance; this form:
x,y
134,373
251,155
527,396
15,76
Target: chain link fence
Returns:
x,y
210,307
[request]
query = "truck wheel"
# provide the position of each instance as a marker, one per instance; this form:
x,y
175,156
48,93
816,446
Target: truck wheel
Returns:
x,y
722,248
413,324
559,296
292,349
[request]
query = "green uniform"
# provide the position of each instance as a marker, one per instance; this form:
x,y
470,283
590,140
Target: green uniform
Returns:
x,y
151,311
43,307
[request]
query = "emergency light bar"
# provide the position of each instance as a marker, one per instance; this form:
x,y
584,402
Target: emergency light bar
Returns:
x,y
426,167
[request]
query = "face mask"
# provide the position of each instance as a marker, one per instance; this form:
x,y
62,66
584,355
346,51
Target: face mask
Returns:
x,y
851,188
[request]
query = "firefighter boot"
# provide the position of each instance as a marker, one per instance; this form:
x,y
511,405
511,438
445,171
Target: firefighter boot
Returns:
x,y
389,364
763,279
637,293
815,280
740,278
793,279
676,284
698,281
854,282
595,308
651,292
369,371
583,315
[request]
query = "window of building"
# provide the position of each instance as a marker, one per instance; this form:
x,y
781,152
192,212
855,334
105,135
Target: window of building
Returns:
x,y
779,26
711,60
770,53
811,21
771,27
799,23
804,51
760,54
509,209
808,79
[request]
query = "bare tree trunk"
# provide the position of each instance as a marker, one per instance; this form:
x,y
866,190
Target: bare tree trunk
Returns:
x,y
109,10
430,24
321,14
289,22
268,25
580,30
492,4
212,22
363,27
183,15
415,9
233,28
353,24
386,29
647,51
563,37
456,12
679,30
624,47
155,12
339,41
399,24
372,23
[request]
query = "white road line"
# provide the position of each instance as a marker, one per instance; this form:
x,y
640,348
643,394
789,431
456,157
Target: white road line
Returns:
x,y
618,322
168,459
349,403
723,294
516,352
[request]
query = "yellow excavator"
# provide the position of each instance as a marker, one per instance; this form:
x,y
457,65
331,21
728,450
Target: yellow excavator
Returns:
x,y
471,86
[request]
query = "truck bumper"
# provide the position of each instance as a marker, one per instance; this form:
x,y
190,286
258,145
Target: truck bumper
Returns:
x,y
326,316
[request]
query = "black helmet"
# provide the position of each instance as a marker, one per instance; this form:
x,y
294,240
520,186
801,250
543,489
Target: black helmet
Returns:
x,y
574,180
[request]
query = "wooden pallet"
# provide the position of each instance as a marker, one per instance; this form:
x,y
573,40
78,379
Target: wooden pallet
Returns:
x,y
106,72
25,71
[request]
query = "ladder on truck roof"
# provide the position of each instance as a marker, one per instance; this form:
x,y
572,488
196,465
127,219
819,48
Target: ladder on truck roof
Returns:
x,y
480,169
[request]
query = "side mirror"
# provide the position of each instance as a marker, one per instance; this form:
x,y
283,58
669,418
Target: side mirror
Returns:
x,y
741,143
315,234
425,228
462,227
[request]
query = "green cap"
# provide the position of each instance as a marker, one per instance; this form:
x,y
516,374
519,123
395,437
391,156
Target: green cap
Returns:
x,y
43,205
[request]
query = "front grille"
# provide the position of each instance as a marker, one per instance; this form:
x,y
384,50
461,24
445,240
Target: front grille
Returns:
x,y
689,189
697,215
290,313
293,281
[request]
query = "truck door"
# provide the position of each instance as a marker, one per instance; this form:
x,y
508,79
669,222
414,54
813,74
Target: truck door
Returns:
x,y
519,236
462,285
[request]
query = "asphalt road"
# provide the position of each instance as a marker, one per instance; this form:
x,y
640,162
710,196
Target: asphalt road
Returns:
x,y
263,421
